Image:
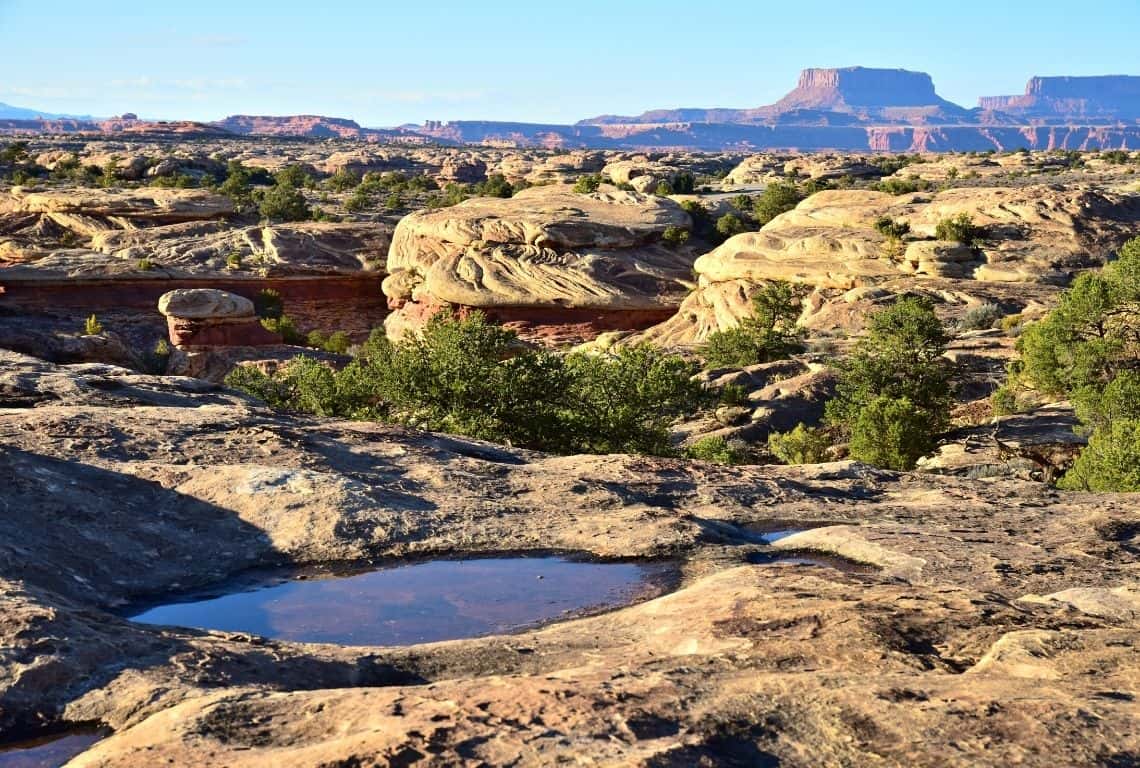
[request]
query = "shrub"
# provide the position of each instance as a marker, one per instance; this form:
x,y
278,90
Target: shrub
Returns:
x,y
294,176
158,358
1082,342
1110,462
770,333
468,376
732,348
683,183
145,265
337,342
92,327
776,199
901,357
393,202
802,445
675,236
343,180
960,229
360,199
893,433
729,225
980,317
14,152
496,185
890,164
284,202
284,326
899,367
268,304
233,260
891,229
1011,323
717,450
1098,407
663,189
1087,350
625,400
1004,401
301,385
896,186
587,184
733,394
238,185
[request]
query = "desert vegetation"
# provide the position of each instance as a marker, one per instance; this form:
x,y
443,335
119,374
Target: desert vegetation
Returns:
x,y
1088,350
469,376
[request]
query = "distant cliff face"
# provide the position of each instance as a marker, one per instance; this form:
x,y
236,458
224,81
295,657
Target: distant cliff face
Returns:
x,y
853,108
291,125
824,97
839,89
1109,97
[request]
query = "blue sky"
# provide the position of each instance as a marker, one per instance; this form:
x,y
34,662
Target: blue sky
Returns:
x,y
389,63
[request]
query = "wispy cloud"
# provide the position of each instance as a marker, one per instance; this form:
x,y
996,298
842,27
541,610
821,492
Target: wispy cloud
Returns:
x,y
48,91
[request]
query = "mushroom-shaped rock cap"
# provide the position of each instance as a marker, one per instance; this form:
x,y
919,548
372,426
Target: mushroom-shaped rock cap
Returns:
x,y
203,303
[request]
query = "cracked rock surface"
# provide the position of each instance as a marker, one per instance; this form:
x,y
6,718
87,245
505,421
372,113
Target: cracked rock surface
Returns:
x,y
992,622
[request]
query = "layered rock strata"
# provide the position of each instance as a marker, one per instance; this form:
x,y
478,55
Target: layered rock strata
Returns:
x,y
203,317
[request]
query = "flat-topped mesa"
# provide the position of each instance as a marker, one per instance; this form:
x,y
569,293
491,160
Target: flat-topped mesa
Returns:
x,y
862,87
1105,97
291,125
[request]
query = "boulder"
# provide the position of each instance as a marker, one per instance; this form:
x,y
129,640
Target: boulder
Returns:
x,y
205,317
204,303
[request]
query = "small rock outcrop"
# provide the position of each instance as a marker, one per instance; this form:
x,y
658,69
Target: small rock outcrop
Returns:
x,y
205,317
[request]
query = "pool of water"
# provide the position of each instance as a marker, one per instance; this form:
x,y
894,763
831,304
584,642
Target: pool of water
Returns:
x,y
49,751
413,603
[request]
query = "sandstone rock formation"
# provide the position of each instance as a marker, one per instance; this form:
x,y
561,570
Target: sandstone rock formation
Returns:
x,y
204,317
991,622
1034,234
549,260
147,204
96,250
1106,97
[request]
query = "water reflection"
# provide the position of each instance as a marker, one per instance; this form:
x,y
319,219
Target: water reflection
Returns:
x,y
421,602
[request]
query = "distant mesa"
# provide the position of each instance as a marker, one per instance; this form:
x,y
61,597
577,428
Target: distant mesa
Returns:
x,y
847,109
896,96
1107,97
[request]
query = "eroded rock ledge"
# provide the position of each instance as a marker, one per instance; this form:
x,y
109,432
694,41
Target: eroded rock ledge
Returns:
x,y
998,627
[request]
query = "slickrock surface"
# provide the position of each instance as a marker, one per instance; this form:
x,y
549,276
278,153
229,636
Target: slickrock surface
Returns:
x,y
1032,234
550,260
89,234
996,623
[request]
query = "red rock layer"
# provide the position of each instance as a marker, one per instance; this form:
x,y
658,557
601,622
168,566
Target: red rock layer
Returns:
x,y
219,332
353,304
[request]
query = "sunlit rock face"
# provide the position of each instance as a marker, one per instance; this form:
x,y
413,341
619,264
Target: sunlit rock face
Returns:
x,y
205,317
549,260
1039,234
